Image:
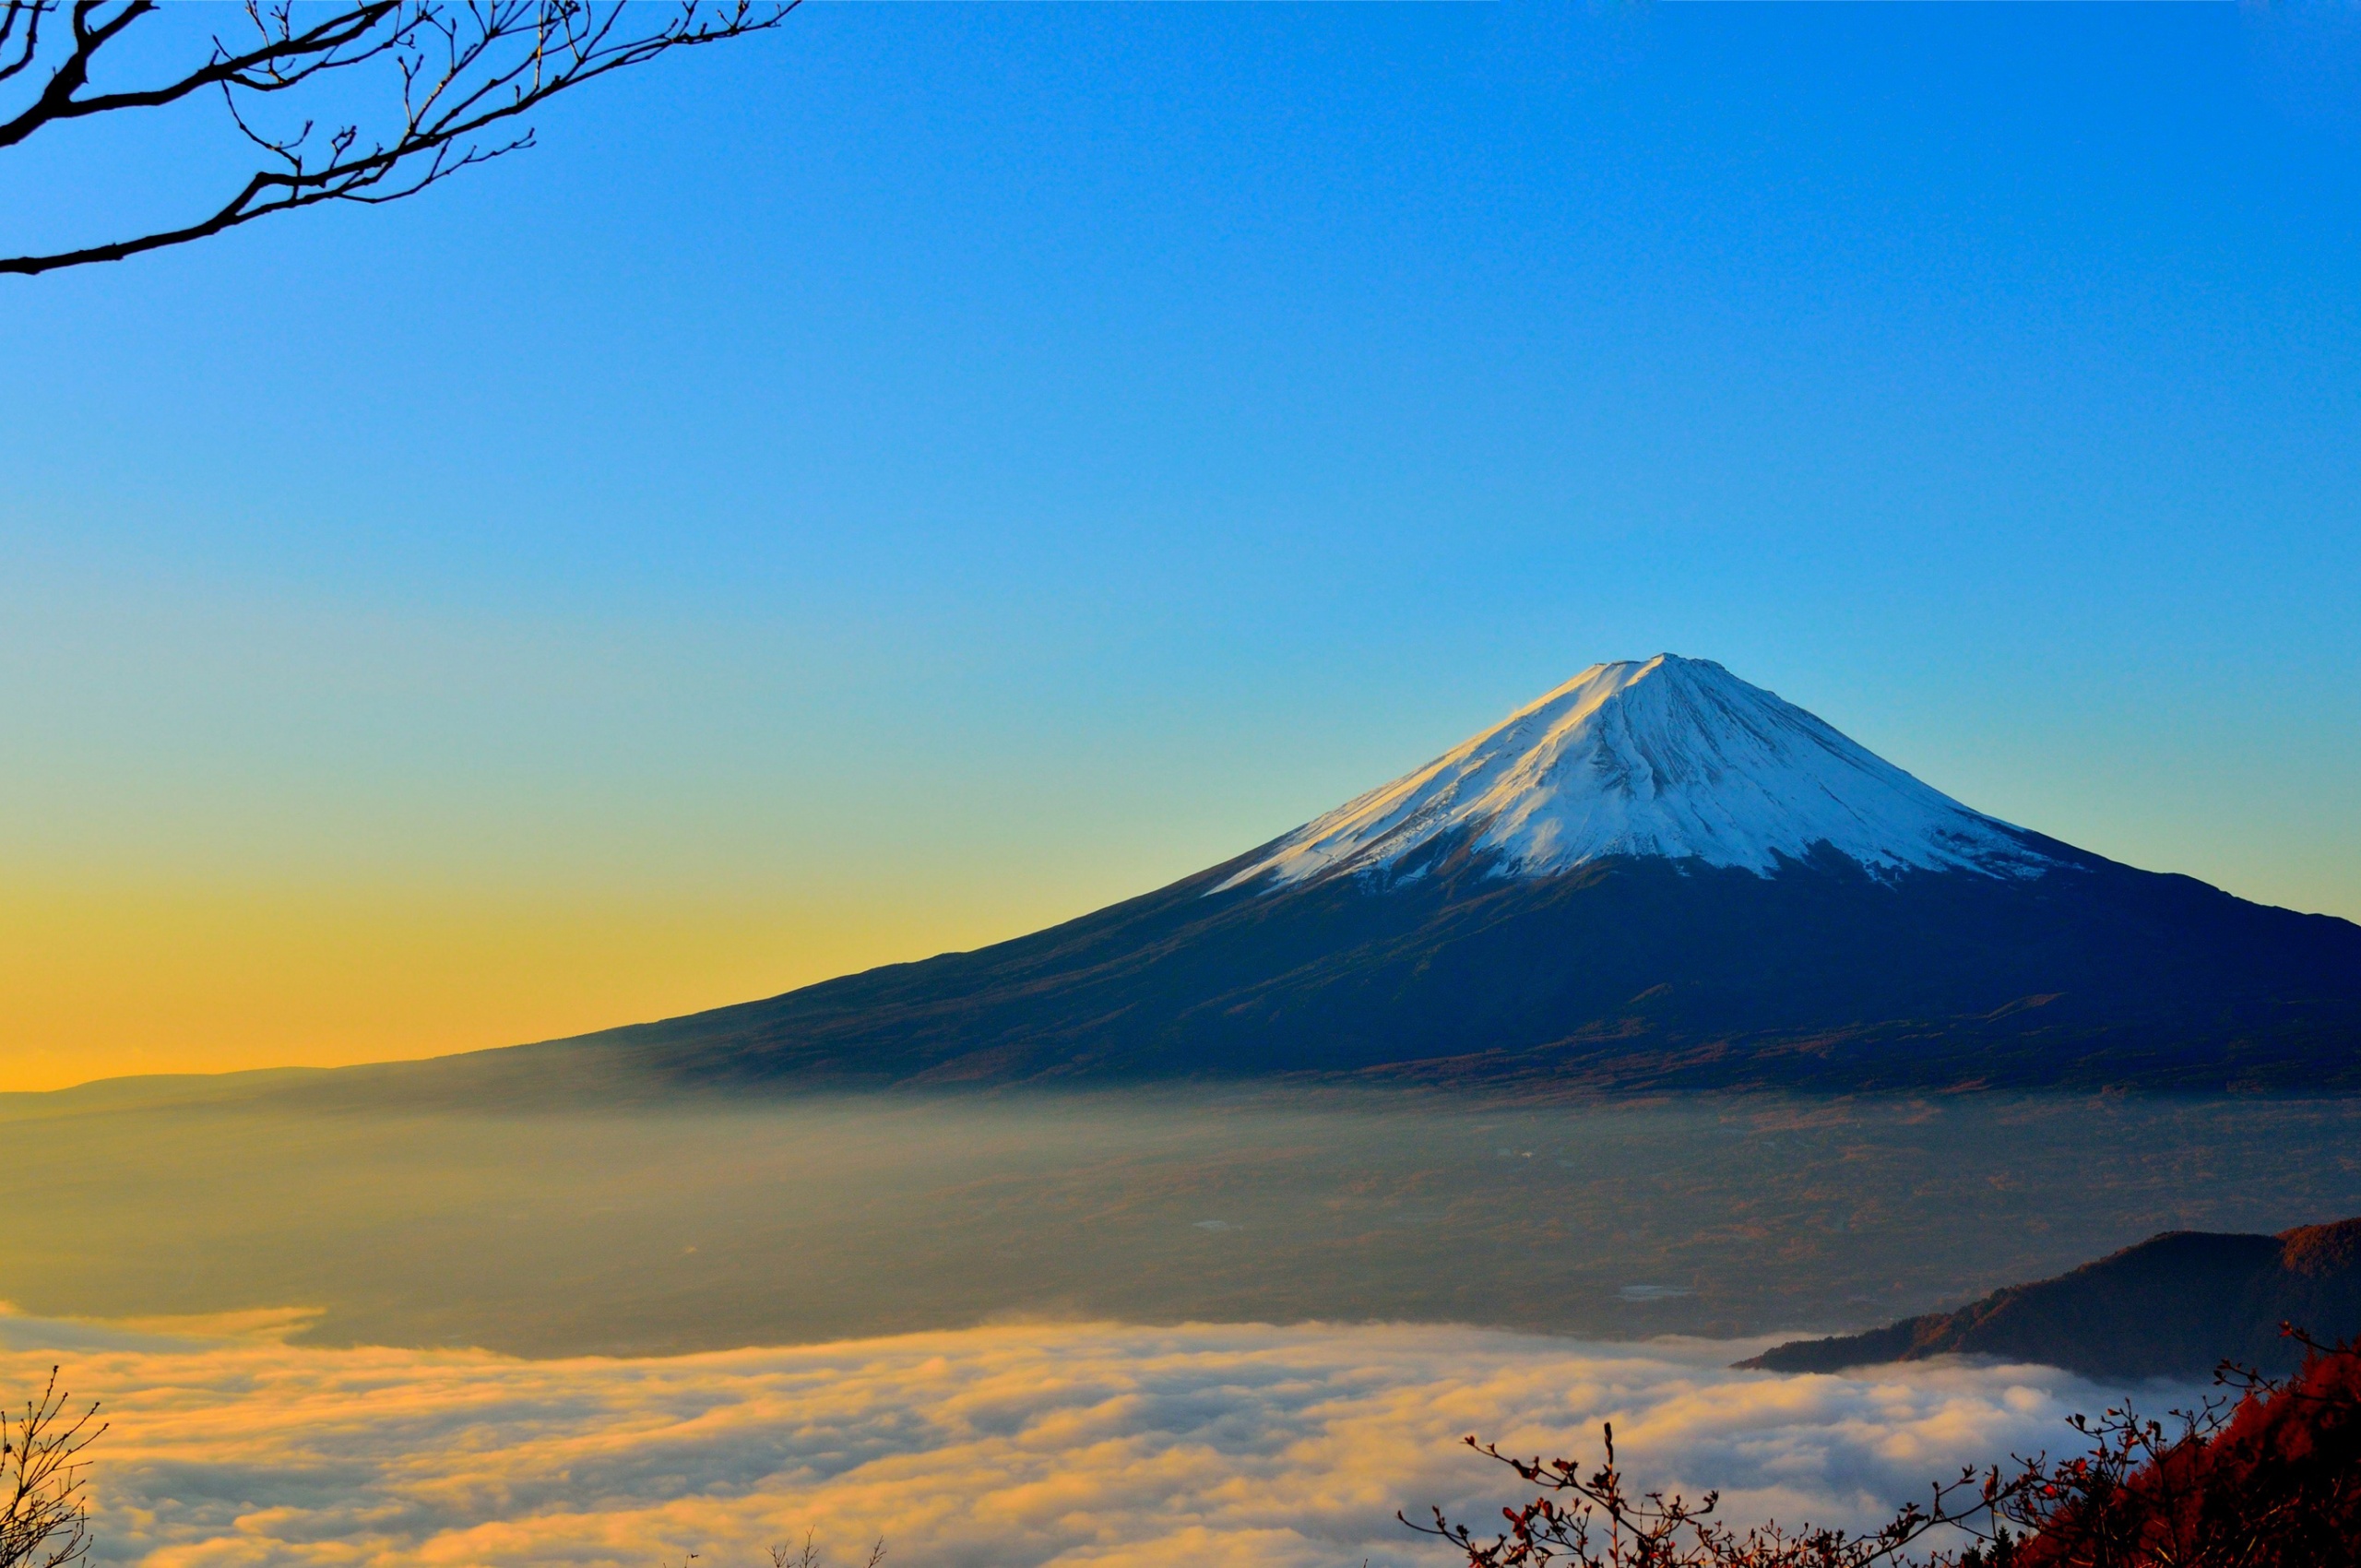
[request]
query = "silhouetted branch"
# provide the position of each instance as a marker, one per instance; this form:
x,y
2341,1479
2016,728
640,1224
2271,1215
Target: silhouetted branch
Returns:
x,y
460,73
1593,1520
45,1520
2268,1476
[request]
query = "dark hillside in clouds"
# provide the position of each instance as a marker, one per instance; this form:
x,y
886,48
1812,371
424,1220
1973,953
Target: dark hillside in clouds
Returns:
x,y
2175,1305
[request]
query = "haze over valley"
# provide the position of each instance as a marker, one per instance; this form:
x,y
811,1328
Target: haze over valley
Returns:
x,y
692,1224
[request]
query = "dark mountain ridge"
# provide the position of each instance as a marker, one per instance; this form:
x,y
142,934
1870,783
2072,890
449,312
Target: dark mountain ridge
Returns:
x,y
2175,1305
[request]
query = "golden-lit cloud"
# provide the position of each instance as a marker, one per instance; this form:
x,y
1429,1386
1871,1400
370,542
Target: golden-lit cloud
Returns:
x,y
999,1447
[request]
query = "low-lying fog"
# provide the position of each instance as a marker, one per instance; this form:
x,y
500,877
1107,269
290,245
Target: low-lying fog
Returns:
x,y
705,1226
1042,1445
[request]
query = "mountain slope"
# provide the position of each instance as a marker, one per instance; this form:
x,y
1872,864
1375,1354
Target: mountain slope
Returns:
x,y
1658,875
2175,1305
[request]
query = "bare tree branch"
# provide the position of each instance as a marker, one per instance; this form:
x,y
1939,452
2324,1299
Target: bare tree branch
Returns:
x,y
460,71
21,31
45,1519
1594,1519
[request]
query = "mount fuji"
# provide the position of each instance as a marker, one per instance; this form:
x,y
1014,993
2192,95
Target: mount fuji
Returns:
x,y
1656,876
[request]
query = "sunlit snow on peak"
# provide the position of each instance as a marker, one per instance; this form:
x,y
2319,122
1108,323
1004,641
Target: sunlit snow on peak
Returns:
x,y
1670,757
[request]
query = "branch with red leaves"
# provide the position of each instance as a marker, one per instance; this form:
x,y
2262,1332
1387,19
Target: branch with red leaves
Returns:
x,y
1595,1520
2268,1476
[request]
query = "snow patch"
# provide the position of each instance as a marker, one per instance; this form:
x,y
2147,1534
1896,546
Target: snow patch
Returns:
x,y
1669,757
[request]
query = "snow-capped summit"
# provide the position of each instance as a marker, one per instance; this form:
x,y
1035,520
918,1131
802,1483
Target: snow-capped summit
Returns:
x,y
1412,934
1671,757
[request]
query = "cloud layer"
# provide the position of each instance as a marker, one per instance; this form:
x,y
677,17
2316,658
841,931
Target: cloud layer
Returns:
x,y
1000,1447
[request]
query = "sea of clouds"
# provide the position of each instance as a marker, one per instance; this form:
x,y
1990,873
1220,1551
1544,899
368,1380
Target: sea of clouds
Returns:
x,y
995,1447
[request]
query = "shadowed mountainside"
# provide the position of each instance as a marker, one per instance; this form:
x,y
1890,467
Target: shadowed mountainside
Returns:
x,y
2175,1304
1625,973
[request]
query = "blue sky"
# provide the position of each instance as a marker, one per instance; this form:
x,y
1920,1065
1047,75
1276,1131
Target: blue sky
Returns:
x,y
892,483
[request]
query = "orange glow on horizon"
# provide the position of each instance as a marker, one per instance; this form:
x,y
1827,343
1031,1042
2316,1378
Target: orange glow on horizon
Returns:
x,y
119,981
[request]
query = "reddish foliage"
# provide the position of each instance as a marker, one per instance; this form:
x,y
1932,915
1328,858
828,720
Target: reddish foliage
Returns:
x,y
2268,1479
2277,1485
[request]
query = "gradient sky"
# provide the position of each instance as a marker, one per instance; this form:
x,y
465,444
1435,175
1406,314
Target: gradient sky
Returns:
x,y
888,485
